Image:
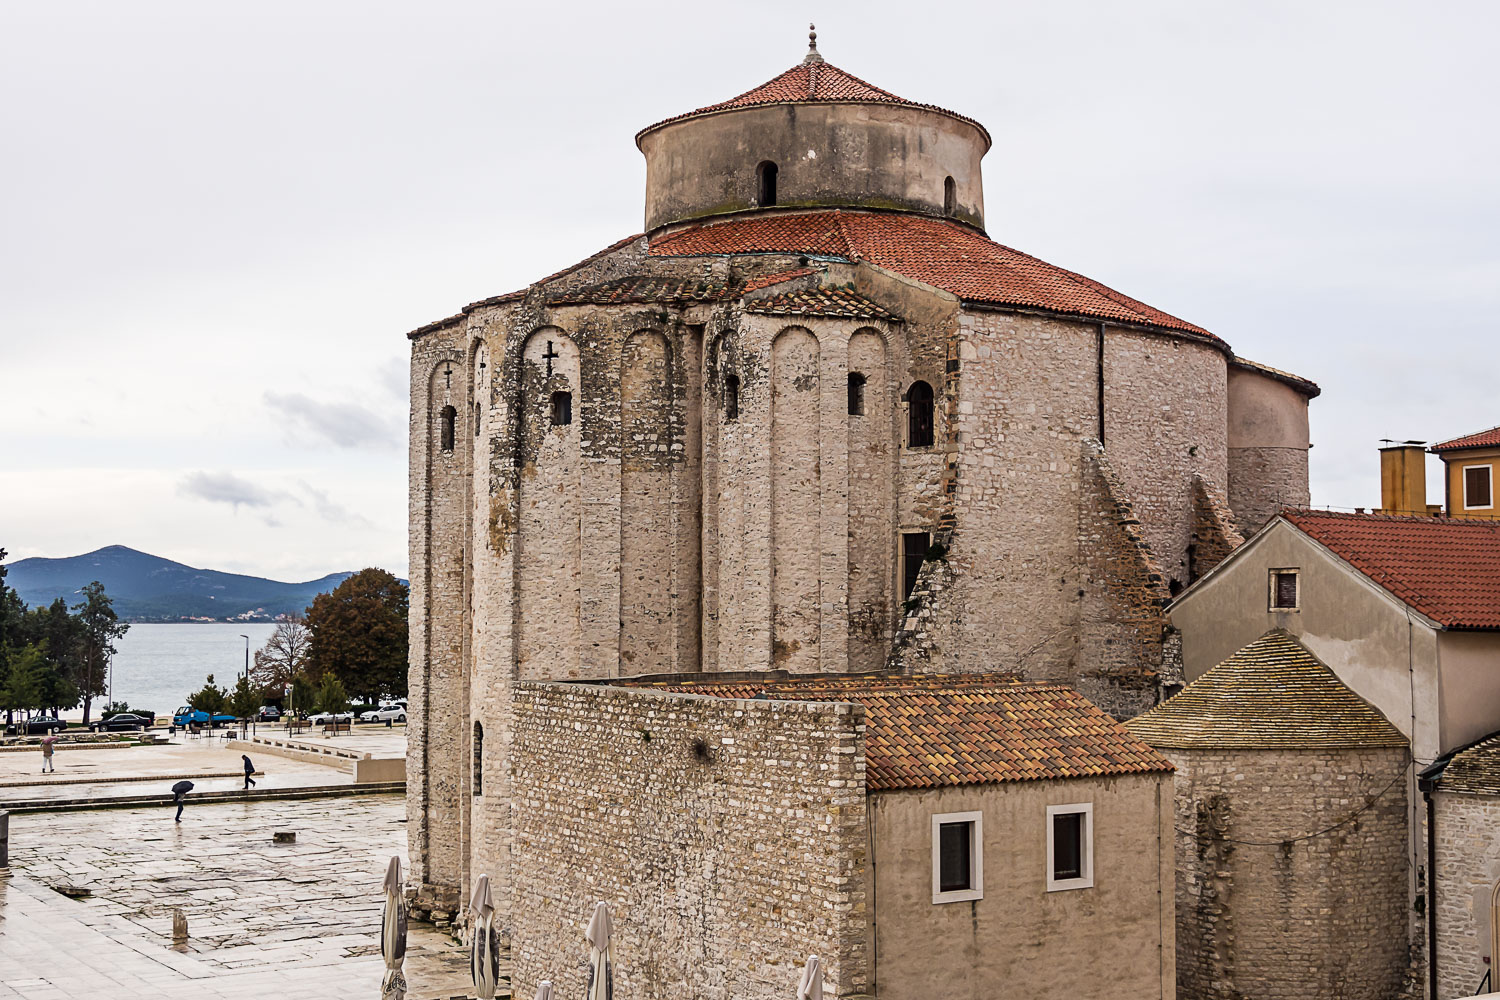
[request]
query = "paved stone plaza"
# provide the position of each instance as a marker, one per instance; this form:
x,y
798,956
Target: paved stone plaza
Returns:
x,y
263,919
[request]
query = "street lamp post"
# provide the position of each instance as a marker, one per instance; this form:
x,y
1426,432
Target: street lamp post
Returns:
x,y
247,675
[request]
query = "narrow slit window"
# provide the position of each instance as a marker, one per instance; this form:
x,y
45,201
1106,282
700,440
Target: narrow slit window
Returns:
x,y
1070,846
449,420
856,394
765,177
731,397
562,408
919,415
1479,487
1285,593
914,546
478,759
477,412
957,857
950,196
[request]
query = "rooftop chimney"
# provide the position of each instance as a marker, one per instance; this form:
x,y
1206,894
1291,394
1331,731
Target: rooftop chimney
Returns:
x,y
1403,478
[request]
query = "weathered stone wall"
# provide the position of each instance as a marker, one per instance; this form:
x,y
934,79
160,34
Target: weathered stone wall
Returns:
x,y
1468,873
1292,874
728,838
1268,446
1213,535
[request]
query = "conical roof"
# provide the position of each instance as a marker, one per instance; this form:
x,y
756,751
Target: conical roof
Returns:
x,y
1272,694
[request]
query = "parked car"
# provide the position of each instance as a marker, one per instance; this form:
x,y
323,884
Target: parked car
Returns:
x,y
30,727
324,718
389,712
269,713
123,722
185,715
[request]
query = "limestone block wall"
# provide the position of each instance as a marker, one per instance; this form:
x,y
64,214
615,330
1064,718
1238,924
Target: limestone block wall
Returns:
x,y
728,837
1291,874
1213,535
1468,875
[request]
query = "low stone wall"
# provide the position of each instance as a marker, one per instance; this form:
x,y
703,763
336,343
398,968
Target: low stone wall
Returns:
x,y
728,838
331,756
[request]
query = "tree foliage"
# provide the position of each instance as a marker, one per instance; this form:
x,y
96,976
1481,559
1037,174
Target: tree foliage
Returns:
x,y
359,635
283,656
101,628
331,695
50,656
209,698
244,700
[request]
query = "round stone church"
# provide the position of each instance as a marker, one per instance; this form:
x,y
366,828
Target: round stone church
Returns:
x,y
812,420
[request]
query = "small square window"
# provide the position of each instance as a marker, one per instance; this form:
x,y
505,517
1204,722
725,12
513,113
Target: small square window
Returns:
x,y
1285,591
562,409
957,857
1479,487
1070,846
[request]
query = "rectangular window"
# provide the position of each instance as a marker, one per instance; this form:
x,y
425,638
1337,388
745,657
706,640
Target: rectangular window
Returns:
x,y
914,546
957,857
1479,487
1284,595
1070,846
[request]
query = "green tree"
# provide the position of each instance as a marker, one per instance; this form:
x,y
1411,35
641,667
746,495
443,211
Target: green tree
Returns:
x,y
333,698
359,634
245,699
209,698
12,615
101,628
59,635
304,693
22,691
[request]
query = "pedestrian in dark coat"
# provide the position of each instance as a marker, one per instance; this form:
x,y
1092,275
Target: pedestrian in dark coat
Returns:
x,y
178,791
249,770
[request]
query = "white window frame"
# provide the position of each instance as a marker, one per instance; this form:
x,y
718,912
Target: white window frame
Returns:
x,y
976,857
1293,571
1086,881
1463,473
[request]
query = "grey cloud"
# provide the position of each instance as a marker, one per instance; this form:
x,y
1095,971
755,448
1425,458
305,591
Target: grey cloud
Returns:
x,y
347,425
226,487
331,510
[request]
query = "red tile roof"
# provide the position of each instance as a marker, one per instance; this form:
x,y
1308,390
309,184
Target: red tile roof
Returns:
x,y
938,252
755,284
807,83
820,302
1483,439
1447,568
643,288
934,730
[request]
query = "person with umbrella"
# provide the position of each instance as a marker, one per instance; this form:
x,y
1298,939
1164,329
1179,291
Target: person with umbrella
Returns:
x,y
178,791
249,770
47,750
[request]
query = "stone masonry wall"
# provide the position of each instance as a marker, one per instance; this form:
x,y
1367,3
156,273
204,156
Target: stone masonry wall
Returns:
x,y
728,838
1291,874
1264,480
1468,872
1214,534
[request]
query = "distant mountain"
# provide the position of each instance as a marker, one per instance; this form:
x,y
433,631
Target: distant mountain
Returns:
x,y
148,588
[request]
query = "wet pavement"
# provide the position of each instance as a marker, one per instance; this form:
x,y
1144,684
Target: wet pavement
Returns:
x,y
264,919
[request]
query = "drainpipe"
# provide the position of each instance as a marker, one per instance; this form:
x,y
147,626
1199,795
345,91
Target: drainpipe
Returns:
x,y
1427,782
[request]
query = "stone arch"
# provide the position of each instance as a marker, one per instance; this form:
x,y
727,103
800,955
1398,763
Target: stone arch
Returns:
x,y
646,512
796,499
549,512
921,415
872,498
765,183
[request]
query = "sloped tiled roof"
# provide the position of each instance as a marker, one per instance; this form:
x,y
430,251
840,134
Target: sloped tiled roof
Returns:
x,y
1272,694
938,252
1447,568
1481,439
1307,387
936,730
1475,770
811,82
820,302
643,288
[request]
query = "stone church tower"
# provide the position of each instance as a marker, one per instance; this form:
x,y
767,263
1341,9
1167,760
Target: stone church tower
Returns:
x,y
814,420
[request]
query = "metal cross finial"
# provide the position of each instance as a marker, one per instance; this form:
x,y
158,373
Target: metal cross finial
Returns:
x,y
812,45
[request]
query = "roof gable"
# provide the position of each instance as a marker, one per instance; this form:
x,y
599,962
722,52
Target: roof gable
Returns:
x,y
1272,694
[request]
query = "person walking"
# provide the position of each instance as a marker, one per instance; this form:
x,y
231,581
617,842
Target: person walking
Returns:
x,y
47,763
178,791
249,770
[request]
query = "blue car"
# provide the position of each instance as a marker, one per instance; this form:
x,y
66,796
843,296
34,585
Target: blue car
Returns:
x,y
185,715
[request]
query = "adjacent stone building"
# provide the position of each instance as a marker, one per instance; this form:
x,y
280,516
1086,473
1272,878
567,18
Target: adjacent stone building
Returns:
x,y
1291,814
1464,795
812,420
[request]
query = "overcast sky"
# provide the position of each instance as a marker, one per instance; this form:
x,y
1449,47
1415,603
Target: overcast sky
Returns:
x,y
219,220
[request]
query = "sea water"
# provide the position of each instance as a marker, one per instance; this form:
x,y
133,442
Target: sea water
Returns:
x,y
157,666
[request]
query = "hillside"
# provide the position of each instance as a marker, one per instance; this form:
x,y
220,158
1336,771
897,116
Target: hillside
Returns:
x,y
148,588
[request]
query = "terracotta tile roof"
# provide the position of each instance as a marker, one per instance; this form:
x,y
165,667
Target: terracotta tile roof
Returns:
x,y
1475,770
808,83
820,302
1483,439
1307,387
934,730
755,284
938,252
643,288
1271,694
1447,568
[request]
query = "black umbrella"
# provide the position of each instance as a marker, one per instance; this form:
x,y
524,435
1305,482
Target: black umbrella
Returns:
x,y
182,788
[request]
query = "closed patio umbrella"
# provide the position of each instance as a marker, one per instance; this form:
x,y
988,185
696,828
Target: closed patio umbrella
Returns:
x,y
811,986
544,990
484,949
393,934
601,972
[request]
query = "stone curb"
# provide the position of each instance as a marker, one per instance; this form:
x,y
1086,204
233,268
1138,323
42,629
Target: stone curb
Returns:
x,y
236,795
137,777
36,748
